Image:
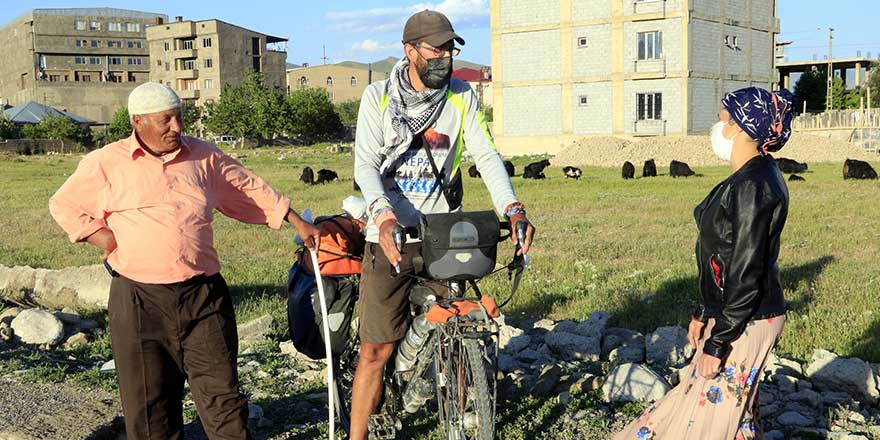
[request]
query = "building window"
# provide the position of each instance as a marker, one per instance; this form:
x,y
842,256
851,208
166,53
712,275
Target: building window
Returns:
x,y
132,27
189,64
54,78
131,77
114,27
135,61
582,99
354,81
209,83
187,44
206,42
86,78
731,41
79,25
650,45
167,46
582,42
190,84
115,60
79,60
330,95
209,63
649,106
96,43
95,60
135,44
82,43
159,63
329,80
94,25
167,67
303,81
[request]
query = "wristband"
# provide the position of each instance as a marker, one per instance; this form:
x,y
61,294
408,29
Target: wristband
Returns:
x,y
514,209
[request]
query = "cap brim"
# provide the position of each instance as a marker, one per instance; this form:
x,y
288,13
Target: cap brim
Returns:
x,y
442,38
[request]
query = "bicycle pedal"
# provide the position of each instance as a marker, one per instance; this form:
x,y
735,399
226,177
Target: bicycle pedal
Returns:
x,y
382,427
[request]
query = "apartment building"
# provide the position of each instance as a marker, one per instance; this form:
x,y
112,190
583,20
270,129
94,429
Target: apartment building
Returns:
x,y
342,83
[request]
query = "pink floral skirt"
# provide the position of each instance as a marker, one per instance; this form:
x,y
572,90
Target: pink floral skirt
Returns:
x,y
723,408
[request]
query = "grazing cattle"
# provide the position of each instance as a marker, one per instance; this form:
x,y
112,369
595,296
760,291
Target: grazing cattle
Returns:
x,y
307,176
796,178
680,169
629,170
572,172
535,170
325,176
472,171
511,170
789,166
650,169
857,169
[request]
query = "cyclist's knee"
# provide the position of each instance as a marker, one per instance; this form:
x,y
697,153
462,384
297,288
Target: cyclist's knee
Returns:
x,y
376,353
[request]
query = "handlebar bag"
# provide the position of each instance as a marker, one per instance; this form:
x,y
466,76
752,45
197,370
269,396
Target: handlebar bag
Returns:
x,y
459,246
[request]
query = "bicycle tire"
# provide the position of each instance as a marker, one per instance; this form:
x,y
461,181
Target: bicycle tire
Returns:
x,y
485,402
344,367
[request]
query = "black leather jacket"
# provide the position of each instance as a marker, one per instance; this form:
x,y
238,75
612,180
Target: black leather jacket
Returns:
x,y
740,223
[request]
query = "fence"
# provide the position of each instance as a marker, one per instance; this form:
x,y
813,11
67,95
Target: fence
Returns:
x,y
39,146
838,119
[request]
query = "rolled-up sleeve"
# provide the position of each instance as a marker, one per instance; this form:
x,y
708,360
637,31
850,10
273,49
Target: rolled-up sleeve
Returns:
x,y
78,205
244,196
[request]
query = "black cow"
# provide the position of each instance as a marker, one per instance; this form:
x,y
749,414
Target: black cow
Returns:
x,y
650,169
680,169
325,176
511,170
307,176
472,171
629,170
789,166
796,178
535,170
857,169
572,173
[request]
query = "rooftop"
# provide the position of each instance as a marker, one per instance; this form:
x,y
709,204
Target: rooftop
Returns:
x,y
100,12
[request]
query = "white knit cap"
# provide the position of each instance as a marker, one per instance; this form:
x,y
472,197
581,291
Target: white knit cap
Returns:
x,y
152,97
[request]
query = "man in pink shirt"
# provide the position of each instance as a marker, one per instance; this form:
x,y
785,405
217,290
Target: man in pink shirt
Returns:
x,y
148,201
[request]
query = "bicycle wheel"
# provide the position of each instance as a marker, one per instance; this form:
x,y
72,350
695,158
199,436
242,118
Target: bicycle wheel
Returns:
x,y
466,401
480,416
344,367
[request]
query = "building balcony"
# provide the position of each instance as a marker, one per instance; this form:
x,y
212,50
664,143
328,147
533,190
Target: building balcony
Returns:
x,y
649,128
184,53
188,94
187,74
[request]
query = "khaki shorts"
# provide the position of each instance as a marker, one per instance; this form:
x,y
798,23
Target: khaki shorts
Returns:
x,y
384,304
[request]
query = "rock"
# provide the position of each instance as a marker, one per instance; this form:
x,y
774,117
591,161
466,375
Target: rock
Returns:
x,y
845,436
633,382
9,314
88,324
572,346
766,397
6,334
668,347
547,380
564,398
35,326
586,383
86,287
806,397
803,384
594,326
265,423
786,384
856,418
69,316
835,398
565,327
615,337
254,412
108,367
544,324
774,435
507,363
77,340
830,372
628,354
512,340
794,419
780,365
256,330
531,355
770,410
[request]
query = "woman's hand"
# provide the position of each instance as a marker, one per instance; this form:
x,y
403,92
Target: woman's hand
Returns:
x,y
709,366
695,332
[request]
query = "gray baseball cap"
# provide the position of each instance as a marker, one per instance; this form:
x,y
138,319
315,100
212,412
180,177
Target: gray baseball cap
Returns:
x,y
431,27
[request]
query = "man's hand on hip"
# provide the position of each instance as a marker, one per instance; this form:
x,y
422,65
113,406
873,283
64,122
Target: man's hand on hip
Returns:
x,y
530,232
386,241
105,240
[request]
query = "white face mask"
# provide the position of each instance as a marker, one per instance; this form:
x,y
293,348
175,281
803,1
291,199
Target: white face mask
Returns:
x,y
722,146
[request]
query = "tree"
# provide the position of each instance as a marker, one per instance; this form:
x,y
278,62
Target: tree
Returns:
x,y
311,114
56,127
246,110
119,128
8,129
192,115
487,110
348,112
874,84
838,94
812,88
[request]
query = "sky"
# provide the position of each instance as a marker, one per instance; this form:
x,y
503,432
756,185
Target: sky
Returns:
x,y
365,30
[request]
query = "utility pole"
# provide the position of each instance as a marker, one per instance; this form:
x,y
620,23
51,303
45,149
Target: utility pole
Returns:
x,y
829,97
325,54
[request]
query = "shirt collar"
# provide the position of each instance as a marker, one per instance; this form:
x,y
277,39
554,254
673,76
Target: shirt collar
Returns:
x,y
136,148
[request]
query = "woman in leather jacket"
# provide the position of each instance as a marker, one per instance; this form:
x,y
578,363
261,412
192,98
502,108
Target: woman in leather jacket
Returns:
x,y
742,311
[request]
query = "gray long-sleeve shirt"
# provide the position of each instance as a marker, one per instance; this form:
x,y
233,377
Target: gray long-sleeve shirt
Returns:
x,y
407,183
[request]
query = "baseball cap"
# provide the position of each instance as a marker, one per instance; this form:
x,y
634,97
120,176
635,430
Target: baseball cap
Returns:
x,y
431,27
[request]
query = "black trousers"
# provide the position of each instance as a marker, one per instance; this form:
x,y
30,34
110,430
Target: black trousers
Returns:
x,y
165,334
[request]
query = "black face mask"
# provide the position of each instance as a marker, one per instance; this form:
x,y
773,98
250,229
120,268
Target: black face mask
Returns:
x,y
438,72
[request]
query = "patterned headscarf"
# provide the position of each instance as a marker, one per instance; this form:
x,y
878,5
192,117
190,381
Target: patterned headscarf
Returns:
x,y
764,116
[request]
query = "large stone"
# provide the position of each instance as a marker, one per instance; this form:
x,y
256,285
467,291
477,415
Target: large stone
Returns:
x,y
780,365
634,382
512,340
35,326
571,346
256,330
668,347
594,326
547,380
86,287
9,314
69,316
794,419
829,372
76,340
615,337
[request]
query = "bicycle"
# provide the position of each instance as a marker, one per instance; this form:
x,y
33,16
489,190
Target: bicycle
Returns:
x,y
449,352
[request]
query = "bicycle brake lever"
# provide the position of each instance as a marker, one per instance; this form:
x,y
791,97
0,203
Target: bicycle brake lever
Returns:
x,y
521,228
399,235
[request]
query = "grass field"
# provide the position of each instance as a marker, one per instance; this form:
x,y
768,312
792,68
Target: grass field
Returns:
x,y
603,244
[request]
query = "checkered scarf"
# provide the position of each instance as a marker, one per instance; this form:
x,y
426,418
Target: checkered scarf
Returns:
x,y
411,111
764,116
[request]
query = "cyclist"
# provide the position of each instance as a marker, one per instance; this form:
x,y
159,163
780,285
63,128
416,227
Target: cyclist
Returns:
x,y
411,133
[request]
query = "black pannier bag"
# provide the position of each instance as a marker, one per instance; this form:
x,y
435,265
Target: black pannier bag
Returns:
x,y
459,246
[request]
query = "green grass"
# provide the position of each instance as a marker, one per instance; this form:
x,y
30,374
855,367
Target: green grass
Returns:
x,y
603,243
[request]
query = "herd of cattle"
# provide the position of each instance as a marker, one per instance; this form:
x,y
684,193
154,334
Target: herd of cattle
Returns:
x,y
852,169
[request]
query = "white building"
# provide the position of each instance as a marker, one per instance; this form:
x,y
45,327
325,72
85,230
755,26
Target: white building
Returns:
x,y
564,69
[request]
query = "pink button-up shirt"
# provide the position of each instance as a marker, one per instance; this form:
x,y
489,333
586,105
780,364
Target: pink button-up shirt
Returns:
x,y
160,208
